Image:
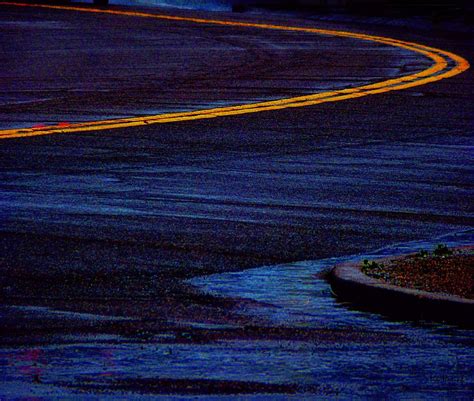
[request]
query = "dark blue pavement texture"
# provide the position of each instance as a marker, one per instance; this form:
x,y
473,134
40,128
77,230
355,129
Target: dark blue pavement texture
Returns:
x,y
98,230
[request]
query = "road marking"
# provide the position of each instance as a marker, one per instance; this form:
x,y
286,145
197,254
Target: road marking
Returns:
x,y
444,65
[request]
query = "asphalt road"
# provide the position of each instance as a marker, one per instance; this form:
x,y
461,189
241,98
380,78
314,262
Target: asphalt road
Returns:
x,y
110,222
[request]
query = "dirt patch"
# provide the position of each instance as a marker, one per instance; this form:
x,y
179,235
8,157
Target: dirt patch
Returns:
x,y
450,274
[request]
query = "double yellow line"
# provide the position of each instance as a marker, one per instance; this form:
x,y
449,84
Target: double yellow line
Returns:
x,y
444,65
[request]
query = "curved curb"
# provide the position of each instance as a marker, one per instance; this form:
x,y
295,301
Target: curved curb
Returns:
x,y
349,283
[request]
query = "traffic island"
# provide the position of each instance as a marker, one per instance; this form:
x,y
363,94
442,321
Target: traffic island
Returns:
x,y
437,286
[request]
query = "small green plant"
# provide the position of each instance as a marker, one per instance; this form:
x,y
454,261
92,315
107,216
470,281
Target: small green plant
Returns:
x,y
442,251
422,254
371,265
374,269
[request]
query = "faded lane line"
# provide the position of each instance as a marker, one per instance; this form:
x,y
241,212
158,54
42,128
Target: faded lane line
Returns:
x,y
445,65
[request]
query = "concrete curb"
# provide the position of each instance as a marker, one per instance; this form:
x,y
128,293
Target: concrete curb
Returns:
x,y
349,283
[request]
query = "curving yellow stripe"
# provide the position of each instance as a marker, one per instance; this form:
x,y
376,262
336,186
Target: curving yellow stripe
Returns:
x,y
445,65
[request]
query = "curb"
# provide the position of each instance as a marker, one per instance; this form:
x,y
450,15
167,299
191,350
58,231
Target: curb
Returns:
x,y
349,283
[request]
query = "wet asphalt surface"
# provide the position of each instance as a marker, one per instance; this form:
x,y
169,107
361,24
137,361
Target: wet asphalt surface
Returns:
x,y
110,223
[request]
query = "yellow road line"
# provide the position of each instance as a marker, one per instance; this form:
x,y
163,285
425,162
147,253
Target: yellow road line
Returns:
x,y
444,65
